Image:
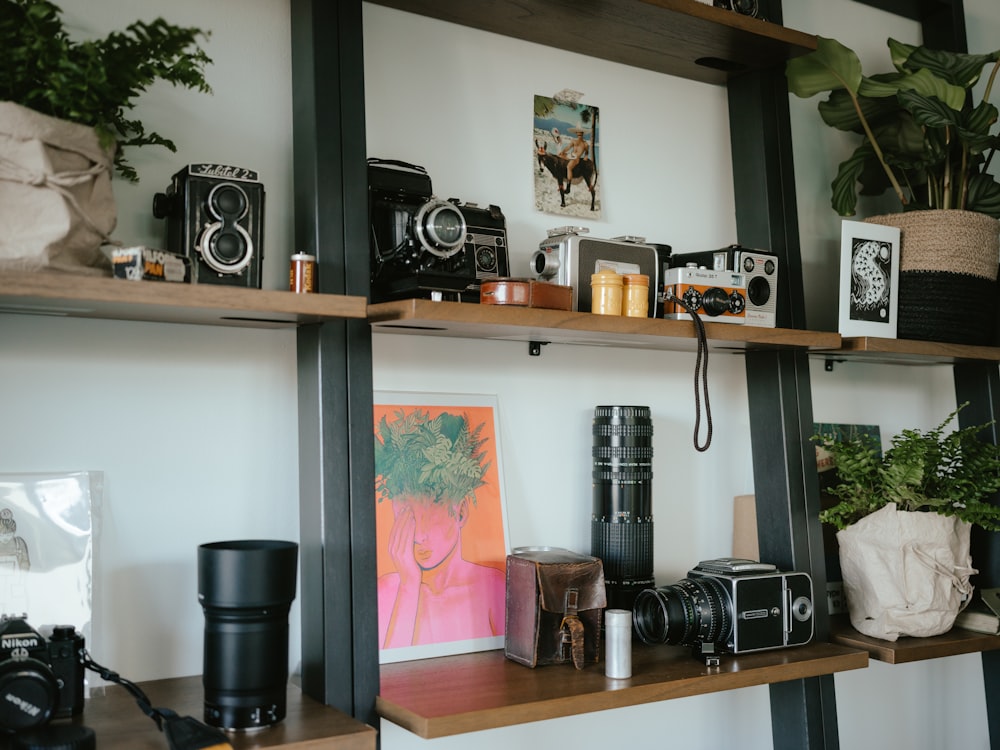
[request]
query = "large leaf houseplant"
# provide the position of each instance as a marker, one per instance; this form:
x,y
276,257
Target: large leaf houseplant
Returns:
x,y
927,138
66,120
904,519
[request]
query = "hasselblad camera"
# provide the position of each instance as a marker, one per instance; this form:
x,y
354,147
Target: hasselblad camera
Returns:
x,y
728,605
568,258
424,246
215,217
758,266
40,679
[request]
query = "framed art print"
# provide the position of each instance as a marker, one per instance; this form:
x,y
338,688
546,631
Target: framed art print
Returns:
x,y
440,523
869,280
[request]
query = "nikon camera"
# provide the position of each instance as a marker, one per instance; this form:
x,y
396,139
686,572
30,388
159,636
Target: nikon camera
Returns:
x,y
39,679
728,605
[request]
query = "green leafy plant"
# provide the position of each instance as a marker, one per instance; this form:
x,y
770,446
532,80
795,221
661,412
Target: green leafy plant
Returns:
x,y
948,473
922,134
96,82
440,457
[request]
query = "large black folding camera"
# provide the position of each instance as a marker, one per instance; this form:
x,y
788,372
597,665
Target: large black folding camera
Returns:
x,y
423,246
215,217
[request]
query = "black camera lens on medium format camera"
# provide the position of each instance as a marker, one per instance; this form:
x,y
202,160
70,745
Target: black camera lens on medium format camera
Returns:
x,y
690,612
622,519
246,589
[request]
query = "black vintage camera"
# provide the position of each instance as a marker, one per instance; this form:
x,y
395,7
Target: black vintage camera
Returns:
x,y
215,216
743,7
728,606
422,246
39,679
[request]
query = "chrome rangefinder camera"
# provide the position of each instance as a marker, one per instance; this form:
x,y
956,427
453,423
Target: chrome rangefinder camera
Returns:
x,y
728,605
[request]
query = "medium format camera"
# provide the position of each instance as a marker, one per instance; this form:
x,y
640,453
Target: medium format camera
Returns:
x,y
718,295
39,679
743,7
423,246
215,217
760,269
568,259
728,605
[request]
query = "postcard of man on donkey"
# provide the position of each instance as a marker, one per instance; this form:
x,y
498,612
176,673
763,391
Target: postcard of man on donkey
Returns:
x,y
566,156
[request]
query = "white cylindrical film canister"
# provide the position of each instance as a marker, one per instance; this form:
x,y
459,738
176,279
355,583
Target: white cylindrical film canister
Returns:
x,y
618,643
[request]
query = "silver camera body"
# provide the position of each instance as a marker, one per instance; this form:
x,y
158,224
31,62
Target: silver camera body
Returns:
x,y
717,296
770,608
760,269
568,258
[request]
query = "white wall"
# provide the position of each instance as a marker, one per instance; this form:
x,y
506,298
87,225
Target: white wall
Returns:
x,y
79,392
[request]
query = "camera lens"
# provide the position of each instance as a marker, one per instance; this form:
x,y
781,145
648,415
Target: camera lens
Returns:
x,y
441,228
622,520
689,612
28,694
246,589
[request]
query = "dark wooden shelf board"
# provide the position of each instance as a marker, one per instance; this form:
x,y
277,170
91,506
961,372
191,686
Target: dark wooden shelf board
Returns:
x,y
70,295
904,650
911,352
457,694
464,320
120,724
684,38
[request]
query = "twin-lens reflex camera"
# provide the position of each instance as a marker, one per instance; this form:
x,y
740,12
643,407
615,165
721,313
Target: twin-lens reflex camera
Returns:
x,y
568,258
728,605
423,246
40,679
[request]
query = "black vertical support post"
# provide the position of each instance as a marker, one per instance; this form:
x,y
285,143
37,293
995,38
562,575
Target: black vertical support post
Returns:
x,y
336,464
803,712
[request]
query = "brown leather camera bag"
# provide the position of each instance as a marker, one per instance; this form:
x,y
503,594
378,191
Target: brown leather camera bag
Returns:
x,y
555,602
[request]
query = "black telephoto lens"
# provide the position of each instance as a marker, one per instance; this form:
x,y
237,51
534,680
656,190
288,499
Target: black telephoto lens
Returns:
x,y
246,589
621,530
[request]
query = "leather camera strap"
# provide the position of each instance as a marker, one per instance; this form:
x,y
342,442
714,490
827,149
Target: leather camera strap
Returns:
x,y
572,628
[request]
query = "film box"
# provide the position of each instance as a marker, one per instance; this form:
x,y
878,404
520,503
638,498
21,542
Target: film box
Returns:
x,y
142,263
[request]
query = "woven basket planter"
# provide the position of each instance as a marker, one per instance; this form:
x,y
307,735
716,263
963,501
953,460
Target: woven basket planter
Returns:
x,y
947,275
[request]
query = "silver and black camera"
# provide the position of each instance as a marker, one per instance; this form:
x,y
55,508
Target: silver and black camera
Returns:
x,y
568,258
728,605
760,269
423,246
215,217
718,295
40,679
743,7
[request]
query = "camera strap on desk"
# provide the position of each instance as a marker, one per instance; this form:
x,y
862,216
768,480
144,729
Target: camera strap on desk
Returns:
x,y
182,732
700,368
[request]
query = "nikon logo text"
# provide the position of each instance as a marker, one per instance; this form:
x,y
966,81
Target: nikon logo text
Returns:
x,y
29,708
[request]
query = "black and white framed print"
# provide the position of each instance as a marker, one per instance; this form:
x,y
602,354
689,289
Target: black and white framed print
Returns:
x,y
869,280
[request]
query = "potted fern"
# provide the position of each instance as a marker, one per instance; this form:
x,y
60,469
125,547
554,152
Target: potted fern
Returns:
x,y
928,140
65,122
904,520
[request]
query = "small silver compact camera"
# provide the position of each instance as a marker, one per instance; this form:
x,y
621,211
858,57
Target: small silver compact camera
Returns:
x,y
717,295
568,258
760,269
728,605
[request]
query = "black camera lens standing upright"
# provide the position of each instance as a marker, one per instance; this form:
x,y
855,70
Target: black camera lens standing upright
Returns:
x,y
621,532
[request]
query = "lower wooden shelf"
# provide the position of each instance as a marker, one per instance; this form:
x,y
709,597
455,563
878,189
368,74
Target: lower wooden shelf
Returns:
x,y
954,642
120,724
456,694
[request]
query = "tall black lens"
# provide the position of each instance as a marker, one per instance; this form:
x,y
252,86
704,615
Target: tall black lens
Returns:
x,y
246,589
621,531
689,612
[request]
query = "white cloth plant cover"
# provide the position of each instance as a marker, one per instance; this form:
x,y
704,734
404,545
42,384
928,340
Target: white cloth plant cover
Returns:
x,y
56,203
905,573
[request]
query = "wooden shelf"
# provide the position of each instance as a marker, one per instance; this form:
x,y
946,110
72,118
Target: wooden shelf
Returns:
x,y
457,694
53,293
309,725
465,320
952,643
684,38
911,352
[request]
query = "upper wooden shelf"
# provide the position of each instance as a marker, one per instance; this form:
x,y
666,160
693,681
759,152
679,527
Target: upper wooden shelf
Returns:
x,y
911,352
684,38
120,724
952,643
471,320
456,694
53,293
